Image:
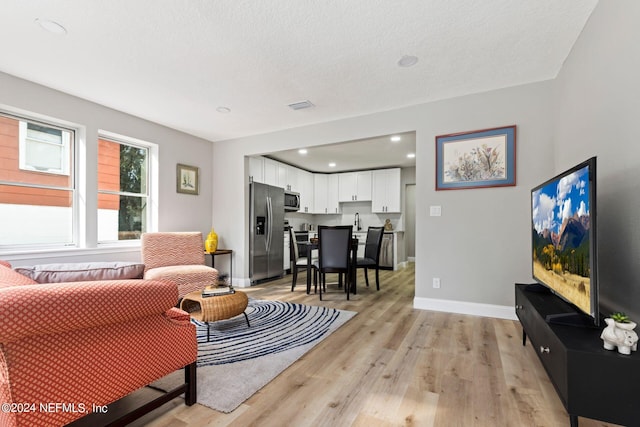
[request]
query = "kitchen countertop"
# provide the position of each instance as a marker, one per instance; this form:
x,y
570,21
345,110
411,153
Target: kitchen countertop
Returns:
x,y
365,231
362,232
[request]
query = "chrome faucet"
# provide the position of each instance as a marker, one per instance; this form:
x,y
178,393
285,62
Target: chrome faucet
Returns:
x,y
357,222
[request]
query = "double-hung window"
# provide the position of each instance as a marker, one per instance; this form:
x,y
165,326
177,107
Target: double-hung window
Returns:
x,y
123,189
37,184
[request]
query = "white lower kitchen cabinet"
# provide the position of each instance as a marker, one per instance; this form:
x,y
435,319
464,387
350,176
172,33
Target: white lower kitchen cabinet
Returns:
x,y
286,259
392,254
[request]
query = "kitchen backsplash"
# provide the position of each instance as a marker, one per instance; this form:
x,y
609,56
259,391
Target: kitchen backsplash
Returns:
x,y
347,217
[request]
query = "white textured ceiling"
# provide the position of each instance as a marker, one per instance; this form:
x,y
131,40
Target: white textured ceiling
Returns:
x,y
175,61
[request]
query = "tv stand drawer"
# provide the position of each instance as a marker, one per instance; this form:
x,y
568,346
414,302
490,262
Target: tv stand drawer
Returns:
x,y
550,350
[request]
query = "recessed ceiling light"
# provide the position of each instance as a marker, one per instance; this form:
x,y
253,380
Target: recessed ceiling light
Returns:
x,y
395,138
223,110
303,151
408,61
332,165
51,26
411,155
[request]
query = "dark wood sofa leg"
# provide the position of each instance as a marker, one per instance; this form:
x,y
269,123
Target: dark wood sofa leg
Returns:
x,y
190,379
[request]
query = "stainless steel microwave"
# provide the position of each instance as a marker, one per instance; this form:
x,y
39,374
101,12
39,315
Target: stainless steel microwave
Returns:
x,y
291,201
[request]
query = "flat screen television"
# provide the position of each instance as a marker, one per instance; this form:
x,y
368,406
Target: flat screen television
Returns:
x,y
564,241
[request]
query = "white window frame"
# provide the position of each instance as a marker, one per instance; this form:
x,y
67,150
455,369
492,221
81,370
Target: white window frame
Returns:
x,y
64,147
152,184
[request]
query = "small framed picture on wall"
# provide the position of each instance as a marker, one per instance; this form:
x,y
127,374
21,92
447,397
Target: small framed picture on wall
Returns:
x,y
187,179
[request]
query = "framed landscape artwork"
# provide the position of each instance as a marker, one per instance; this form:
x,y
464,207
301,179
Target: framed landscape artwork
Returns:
x,y
187,179
476,159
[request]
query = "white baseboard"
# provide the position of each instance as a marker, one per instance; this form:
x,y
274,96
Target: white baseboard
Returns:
x,y
401,265
411,259
239,282
462,307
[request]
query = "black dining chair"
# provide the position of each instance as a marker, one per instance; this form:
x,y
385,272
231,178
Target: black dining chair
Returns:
x,y
371,257
297,262
334,250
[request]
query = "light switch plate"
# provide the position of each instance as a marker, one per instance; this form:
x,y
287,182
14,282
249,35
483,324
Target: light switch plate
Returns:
x,y
435,210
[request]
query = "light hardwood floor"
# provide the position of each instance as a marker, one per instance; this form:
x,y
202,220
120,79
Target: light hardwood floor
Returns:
x,y
392,365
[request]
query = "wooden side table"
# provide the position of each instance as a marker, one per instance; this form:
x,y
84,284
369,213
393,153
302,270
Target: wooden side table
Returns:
x,y
223,252
219,307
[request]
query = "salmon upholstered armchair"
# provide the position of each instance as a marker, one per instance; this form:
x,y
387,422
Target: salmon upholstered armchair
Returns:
x,y
68,348
177,257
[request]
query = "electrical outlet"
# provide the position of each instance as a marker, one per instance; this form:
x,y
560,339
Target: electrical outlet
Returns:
x,y
436,283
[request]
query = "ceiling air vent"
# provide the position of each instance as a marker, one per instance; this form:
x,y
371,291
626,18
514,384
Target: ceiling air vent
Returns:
x,y
300,105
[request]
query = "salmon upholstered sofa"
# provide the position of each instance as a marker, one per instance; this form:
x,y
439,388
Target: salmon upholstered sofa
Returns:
x,y
69,348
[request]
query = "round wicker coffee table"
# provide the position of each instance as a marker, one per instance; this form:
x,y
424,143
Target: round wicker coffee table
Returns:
x,y
214,308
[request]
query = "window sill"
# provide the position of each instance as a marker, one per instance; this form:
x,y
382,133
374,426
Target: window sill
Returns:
x,y
40,254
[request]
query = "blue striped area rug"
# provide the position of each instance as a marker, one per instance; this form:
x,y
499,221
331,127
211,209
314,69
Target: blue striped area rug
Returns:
x,y
275,327
239,360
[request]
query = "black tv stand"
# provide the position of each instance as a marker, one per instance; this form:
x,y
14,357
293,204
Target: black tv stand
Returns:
x,y
571,319
568,315
536,287
591,382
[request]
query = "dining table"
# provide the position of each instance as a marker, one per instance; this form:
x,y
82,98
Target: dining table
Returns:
x,y
351,280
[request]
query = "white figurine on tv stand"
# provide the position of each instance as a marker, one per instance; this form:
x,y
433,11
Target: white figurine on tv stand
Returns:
x,y
621,335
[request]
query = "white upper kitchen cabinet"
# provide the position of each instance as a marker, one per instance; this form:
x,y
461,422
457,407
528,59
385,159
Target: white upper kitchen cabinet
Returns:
x,y
282,173
320,192
354,186
333,203
256,169
386,191
276,173
306,190
294,180
325,194
288,177
271,172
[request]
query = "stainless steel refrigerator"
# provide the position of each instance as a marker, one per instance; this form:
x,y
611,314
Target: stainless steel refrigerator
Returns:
x,y
266,232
